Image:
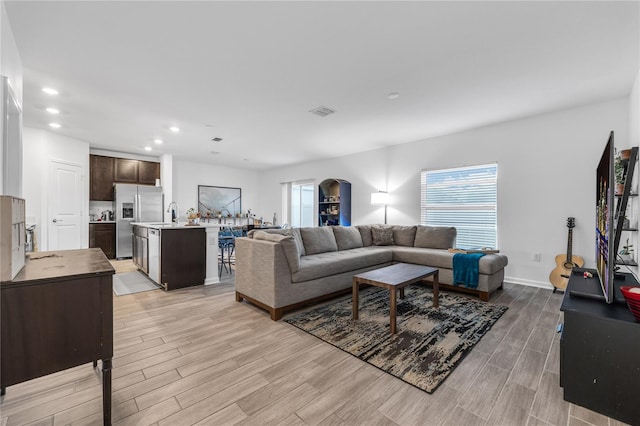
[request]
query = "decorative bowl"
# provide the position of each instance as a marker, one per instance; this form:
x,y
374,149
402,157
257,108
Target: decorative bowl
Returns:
x,y
632,296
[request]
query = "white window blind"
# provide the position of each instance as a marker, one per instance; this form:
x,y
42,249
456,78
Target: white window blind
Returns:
x,y
464,197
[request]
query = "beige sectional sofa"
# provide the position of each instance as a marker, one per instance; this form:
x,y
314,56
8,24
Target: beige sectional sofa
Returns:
x,y
281,270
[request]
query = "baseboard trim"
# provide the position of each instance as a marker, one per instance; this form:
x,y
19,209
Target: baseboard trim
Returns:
x,y
530,283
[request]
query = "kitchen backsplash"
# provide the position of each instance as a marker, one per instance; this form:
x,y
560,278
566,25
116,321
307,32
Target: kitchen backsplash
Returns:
x,y
97,207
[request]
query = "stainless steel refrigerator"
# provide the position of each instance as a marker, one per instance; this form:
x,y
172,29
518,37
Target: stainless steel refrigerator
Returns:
x,y
134,203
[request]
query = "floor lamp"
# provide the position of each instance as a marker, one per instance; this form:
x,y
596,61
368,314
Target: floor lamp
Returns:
x,y
380,198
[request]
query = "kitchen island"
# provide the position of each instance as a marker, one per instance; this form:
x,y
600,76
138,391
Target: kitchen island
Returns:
x,y
178,255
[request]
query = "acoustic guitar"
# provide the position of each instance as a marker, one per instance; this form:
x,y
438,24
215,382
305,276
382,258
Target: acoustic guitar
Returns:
x,y
559,277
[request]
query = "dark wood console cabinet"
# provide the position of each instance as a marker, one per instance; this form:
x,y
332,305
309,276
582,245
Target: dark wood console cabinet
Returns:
x,y
57,313
600,352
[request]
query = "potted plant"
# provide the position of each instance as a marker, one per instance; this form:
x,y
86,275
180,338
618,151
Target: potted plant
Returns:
x,y
619,174
192,216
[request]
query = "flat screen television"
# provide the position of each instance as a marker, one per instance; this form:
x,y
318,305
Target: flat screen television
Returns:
x,y
605,207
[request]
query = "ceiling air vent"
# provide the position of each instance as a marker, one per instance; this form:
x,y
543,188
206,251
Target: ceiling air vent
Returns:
x,y
322,111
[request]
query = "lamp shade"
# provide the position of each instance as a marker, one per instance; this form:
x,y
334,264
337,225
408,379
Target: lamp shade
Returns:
x,y
379,198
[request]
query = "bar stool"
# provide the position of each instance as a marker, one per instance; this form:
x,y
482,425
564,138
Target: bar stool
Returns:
x,y
226,244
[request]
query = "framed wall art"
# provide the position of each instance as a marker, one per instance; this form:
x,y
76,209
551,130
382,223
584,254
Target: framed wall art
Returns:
x,y
215,200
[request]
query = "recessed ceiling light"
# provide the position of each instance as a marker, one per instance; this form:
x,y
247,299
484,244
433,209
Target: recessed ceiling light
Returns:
x,y
208,125
174,129
53,111
55,125
216,139
245,159
158,141
393,95
49,91
215,152
147,148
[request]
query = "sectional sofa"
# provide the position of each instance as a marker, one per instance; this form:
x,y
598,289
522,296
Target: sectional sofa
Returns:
x,y
283,269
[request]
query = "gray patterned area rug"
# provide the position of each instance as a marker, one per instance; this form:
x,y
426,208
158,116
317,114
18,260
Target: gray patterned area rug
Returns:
x,y
430,342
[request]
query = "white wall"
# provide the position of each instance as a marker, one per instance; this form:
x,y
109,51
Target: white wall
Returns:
x,y
11,67
40,147
634,140
187,175
546,173
634,113
166,180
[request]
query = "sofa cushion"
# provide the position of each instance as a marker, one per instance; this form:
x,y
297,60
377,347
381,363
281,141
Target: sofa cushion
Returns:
x,y
382,235
252,232
347,237
295,233
437,258
318,240
331,263
288,245
404,235
365,233
437,237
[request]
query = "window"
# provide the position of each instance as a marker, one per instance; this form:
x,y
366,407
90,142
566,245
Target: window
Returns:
x,y
302,203
464,197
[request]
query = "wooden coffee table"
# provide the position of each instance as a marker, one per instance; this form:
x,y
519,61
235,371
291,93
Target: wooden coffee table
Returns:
x,y
395,277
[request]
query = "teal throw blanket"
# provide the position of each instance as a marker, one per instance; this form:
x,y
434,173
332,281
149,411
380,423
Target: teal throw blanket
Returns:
x,y
465,269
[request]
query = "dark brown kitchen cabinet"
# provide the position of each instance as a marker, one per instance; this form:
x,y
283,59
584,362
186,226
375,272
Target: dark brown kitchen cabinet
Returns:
x,y
105,171
183,257
126,170
101,178
103,236
148,172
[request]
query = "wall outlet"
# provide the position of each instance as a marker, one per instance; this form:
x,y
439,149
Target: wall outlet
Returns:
x,y
536,257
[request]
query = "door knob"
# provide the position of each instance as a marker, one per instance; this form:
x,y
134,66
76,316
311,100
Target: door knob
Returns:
x,y
57,220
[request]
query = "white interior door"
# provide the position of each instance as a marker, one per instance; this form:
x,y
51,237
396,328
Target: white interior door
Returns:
x,y
65,206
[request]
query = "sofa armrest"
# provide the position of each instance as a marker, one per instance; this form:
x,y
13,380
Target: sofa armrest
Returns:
x,y
261,267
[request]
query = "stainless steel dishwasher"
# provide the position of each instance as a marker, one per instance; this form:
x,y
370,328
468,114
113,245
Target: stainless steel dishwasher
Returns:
x,y
140,248
154,255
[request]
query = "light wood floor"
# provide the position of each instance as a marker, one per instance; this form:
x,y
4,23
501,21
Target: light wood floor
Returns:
x,y
195,356
123,265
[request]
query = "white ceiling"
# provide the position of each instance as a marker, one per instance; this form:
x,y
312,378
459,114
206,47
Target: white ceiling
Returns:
x,y
128,70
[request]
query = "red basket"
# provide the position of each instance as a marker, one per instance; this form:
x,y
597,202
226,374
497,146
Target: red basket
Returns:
x,y
632,296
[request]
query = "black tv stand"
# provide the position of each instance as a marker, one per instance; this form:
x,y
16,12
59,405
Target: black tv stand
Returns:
x,y
600,352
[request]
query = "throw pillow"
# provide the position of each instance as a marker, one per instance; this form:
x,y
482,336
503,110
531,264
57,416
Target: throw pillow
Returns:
x,y
382,236
347,237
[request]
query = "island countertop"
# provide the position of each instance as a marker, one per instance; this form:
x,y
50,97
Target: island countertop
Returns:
x,y
180,225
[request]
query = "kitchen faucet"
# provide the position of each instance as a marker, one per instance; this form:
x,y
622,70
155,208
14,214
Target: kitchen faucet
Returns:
x,y
173,208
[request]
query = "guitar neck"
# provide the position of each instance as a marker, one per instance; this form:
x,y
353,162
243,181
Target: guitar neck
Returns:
x,y
569,244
